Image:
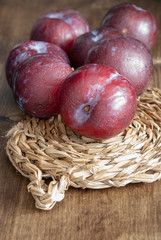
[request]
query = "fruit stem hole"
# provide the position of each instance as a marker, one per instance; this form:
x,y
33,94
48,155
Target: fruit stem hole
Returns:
x,y
87,108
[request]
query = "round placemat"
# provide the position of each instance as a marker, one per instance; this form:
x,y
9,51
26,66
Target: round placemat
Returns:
x,y
53,157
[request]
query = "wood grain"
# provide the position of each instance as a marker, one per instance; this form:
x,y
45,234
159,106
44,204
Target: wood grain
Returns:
x,y
128,213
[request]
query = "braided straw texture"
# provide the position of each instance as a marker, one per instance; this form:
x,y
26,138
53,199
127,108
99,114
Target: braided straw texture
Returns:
x,y
53,157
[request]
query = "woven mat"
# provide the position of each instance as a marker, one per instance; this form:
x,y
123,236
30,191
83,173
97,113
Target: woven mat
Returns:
x,y
53,157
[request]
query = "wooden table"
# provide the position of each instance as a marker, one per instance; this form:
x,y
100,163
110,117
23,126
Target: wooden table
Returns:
x,y
128,213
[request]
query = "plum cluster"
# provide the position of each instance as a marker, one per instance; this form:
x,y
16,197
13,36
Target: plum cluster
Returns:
x,y
92,78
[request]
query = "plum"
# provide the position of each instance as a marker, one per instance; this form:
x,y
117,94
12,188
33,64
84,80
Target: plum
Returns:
x,y
133,21
23,50
97,102
86,41
60,28
130,57
37,83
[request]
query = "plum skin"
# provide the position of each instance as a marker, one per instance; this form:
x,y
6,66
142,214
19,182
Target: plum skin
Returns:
x,y
23,50
97,102
60,28
86,41
37,83
133,21
128,56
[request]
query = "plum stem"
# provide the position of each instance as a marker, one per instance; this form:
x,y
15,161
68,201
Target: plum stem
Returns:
x,y
87,108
